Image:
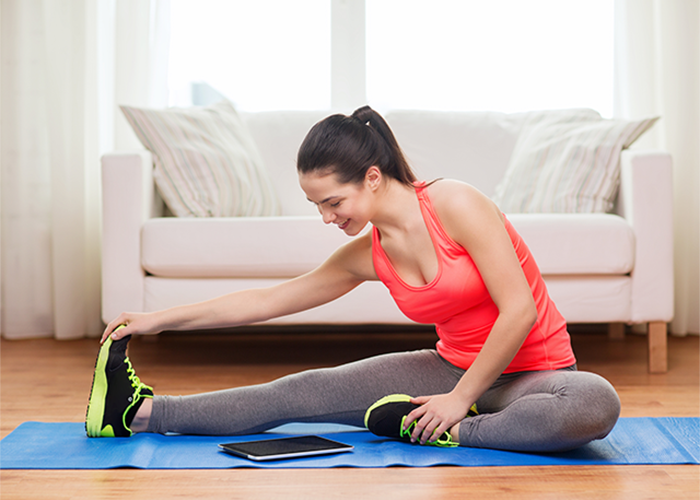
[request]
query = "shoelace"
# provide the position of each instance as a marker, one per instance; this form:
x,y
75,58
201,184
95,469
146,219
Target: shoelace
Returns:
x,y
445,443
135,380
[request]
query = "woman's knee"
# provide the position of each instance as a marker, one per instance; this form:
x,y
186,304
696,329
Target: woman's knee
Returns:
x,y
597,404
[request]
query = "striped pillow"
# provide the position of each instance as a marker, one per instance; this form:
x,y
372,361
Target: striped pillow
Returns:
x,y
206,163
561,165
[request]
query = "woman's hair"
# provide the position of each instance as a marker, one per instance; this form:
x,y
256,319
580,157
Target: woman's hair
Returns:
x,y
349,145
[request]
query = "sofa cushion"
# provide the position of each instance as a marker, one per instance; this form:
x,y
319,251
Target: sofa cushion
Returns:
x,y
578,243
278,135
237,247
567,162
591,298
473,147
206,162
266,247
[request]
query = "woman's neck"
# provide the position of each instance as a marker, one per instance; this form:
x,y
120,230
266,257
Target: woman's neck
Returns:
x,y
398,210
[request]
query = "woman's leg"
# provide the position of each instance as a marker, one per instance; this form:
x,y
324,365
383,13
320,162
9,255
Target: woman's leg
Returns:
x,y
542,412
338,395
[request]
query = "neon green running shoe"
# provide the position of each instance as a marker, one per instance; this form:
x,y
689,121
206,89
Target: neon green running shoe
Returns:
x,y
386,418
117,393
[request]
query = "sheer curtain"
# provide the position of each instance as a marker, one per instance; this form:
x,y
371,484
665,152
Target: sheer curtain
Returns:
x,y
64,67
657,48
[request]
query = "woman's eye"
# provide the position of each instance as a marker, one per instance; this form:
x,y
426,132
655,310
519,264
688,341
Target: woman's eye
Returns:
x,y
334,205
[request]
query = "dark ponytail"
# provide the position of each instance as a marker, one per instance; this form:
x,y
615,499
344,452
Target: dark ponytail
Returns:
x,y
349,145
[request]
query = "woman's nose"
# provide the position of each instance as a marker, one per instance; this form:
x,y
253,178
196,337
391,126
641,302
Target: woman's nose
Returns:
x,y
327,215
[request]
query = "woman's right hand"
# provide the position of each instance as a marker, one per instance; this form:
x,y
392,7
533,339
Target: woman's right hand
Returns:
x,y
134,324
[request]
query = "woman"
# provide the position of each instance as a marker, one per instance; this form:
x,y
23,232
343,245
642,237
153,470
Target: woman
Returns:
x,y
503,374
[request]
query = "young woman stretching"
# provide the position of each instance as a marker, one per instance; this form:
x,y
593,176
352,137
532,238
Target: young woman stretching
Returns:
x,y
503,374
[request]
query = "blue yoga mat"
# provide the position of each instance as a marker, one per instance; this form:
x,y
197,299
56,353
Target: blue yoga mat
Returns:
x,y
36,445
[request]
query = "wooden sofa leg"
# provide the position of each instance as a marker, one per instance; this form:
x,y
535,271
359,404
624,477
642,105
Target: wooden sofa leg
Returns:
x,y
616,331
658,350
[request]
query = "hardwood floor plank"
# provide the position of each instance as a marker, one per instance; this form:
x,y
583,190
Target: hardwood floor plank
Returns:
x,y
599,482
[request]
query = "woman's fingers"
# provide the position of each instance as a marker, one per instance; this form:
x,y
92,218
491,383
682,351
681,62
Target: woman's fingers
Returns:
x,y
435,415
421,400
438,431
113,330
108,331
121,327
120,332
425,428
426,423
414,416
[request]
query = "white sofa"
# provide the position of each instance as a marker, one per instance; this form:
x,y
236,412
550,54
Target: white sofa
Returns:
x,y
611,268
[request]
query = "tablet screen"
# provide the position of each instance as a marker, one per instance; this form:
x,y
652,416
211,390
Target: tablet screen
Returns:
x,y
293,447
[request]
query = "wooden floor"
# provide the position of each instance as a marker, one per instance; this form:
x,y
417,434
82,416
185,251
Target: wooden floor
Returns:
x,y
47,380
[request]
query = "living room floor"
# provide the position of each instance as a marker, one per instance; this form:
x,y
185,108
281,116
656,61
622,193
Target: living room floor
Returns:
x,y
48,380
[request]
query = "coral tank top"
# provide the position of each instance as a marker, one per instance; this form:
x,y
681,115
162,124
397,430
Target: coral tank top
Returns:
x,y
459,304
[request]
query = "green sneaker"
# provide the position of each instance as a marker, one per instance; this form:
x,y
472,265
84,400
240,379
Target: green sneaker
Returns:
x,y
386,418
117,393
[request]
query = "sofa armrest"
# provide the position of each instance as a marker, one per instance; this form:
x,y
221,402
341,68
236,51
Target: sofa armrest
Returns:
x,y
128,199
646,201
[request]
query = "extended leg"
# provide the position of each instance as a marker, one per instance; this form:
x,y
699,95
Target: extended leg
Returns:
x,y
339,395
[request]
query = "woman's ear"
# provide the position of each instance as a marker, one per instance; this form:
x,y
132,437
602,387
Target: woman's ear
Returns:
x,y
373,178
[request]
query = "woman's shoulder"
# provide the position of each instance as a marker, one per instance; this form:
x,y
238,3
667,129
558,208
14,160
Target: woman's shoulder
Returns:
x,y
450,193
457,204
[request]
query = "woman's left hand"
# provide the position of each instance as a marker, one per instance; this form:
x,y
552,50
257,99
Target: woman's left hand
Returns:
x,y
435,415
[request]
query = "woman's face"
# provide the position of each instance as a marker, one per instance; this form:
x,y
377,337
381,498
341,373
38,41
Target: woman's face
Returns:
x,y
349,206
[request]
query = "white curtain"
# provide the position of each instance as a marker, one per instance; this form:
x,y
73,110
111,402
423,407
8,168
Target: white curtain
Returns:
x,y
657,71
64,67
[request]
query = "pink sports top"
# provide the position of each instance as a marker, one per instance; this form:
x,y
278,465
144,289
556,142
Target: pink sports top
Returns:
x,y
459,304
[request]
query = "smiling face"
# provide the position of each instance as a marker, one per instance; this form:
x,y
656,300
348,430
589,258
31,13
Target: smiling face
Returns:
x,y
349,206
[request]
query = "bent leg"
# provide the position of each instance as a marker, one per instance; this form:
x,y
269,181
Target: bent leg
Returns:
x,y
336,395
543,412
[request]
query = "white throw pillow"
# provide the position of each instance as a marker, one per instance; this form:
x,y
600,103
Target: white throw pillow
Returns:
x,y
566,164
206,163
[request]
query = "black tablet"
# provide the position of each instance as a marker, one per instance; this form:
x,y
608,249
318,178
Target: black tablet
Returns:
x,y
292,447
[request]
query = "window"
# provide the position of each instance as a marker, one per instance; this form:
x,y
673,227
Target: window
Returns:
x,y
496,55
262,54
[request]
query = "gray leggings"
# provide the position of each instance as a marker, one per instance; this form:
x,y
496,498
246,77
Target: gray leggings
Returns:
x,y
527,411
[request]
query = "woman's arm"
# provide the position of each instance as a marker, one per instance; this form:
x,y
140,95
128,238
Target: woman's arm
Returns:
x,y
477,224
345,269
